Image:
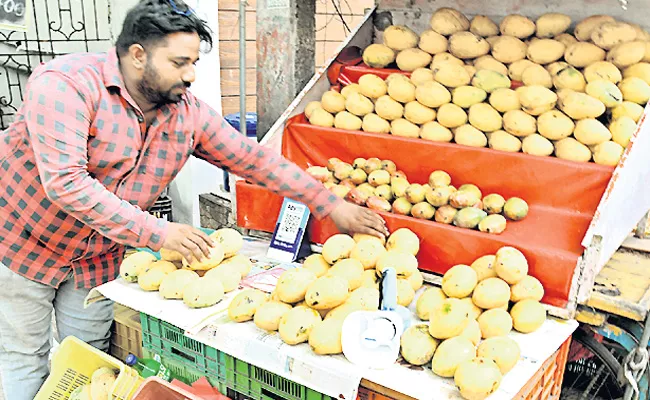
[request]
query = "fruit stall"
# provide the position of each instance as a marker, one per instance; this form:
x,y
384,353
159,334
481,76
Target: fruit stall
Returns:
x,y
536,111
502,143
568,139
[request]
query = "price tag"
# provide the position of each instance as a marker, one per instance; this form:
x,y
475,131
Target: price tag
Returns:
x,y
289,231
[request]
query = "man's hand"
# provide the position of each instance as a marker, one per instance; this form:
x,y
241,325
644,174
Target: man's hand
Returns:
x,y
192,243
350,218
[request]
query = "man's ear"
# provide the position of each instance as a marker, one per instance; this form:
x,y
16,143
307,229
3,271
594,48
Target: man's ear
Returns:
x,y
138,56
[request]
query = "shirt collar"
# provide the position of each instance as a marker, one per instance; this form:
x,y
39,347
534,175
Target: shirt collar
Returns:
x,y
111,73
113,78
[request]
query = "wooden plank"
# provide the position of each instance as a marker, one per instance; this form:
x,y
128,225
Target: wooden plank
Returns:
x,y
229,25
390,393
229,53
635,243
619,278
230,81
230,104
233,5
616,306
642,227
590,317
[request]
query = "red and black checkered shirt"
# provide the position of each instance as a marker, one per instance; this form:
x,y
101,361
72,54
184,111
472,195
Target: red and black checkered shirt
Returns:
x,y
78,166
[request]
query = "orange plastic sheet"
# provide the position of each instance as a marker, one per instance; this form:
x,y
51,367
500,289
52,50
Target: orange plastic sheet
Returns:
x,y
562,196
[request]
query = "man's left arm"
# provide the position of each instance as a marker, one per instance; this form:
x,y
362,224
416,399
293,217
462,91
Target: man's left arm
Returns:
x,y
223,146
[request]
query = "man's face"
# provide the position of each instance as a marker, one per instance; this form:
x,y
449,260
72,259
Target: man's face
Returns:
x,y
169,70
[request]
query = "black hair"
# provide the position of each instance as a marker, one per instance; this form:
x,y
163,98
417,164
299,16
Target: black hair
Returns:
x,y
150,21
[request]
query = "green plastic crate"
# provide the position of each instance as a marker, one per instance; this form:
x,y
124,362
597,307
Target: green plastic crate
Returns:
x,y
185,371
257,383
186,357
192,359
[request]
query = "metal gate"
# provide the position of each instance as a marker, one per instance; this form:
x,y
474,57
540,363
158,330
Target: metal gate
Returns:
x,y
56,27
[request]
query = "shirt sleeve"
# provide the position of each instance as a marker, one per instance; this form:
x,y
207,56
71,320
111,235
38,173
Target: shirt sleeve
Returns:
x,y
223,146
58,116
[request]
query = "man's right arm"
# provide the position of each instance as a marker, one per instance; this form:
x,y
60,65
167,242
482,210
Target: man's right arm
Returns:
x,y
58,116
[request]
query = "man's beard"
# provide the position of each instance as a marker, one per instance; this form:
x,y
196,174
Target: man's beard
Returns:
x,y
149,88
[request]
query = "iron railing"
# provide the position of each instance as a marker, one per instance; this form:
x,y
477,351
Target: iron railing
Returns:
x,y
56,27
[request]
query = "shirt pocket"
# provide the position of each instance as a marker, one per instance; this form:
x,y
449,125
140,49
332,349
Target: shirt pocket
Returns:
x,y
113,149
165,157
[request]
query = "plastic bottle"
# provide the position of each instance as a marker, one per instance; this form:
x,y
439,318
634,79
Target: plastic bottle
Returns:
x,y
147,367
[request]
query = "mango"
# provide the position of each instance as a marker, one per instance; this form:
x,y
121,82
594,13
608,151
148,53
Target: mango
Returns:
x,y
515,209
493,203
417,346
439,178
490,81
495,322
608,153
378,55
469,217
445,214
504,351
439,196
469,187
415,193
398,186
404,239
605,91
401,206
622,129
399,37
378,204
461,199
357,196
385,192
373,123
494,223
528,315
423,210
378,178
337,247
477,378
510,265
450,354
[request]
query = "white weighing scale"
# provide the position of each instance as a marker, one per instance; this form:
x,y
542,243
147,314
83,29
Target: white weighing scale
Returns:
x,y
371,339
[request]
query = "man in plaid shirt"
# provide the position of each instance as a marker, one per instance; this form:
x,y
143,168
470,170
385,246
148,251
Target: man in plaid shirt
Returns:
x,y
98,138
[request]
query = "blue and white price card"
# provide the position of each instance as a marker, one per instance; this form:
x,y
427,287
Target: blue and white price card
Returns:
x,y
289,231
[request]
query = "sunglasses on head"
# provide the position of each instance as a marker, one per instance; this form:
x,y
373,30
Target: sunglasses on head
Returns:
x,y
186,13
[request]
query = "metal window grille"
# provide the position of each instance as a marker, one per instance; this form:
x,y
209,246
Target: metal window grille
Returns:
x,y
56,27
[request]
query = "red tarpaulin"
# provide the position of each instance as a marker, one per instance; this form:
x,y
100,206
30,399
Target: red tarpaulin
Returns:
x,y
562,196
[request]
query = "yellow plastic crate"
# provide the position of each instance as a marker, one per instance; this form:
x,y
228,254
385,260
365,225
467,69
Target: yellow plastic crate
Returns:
x,y
74,362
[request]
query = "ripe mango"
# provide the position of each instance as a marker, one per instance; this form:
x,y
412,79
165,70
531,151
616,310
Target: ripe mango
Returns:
x,y
461,199
402,206
515,209
445,214
439,196
493,203
495,223
469,217
378,204
423,210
